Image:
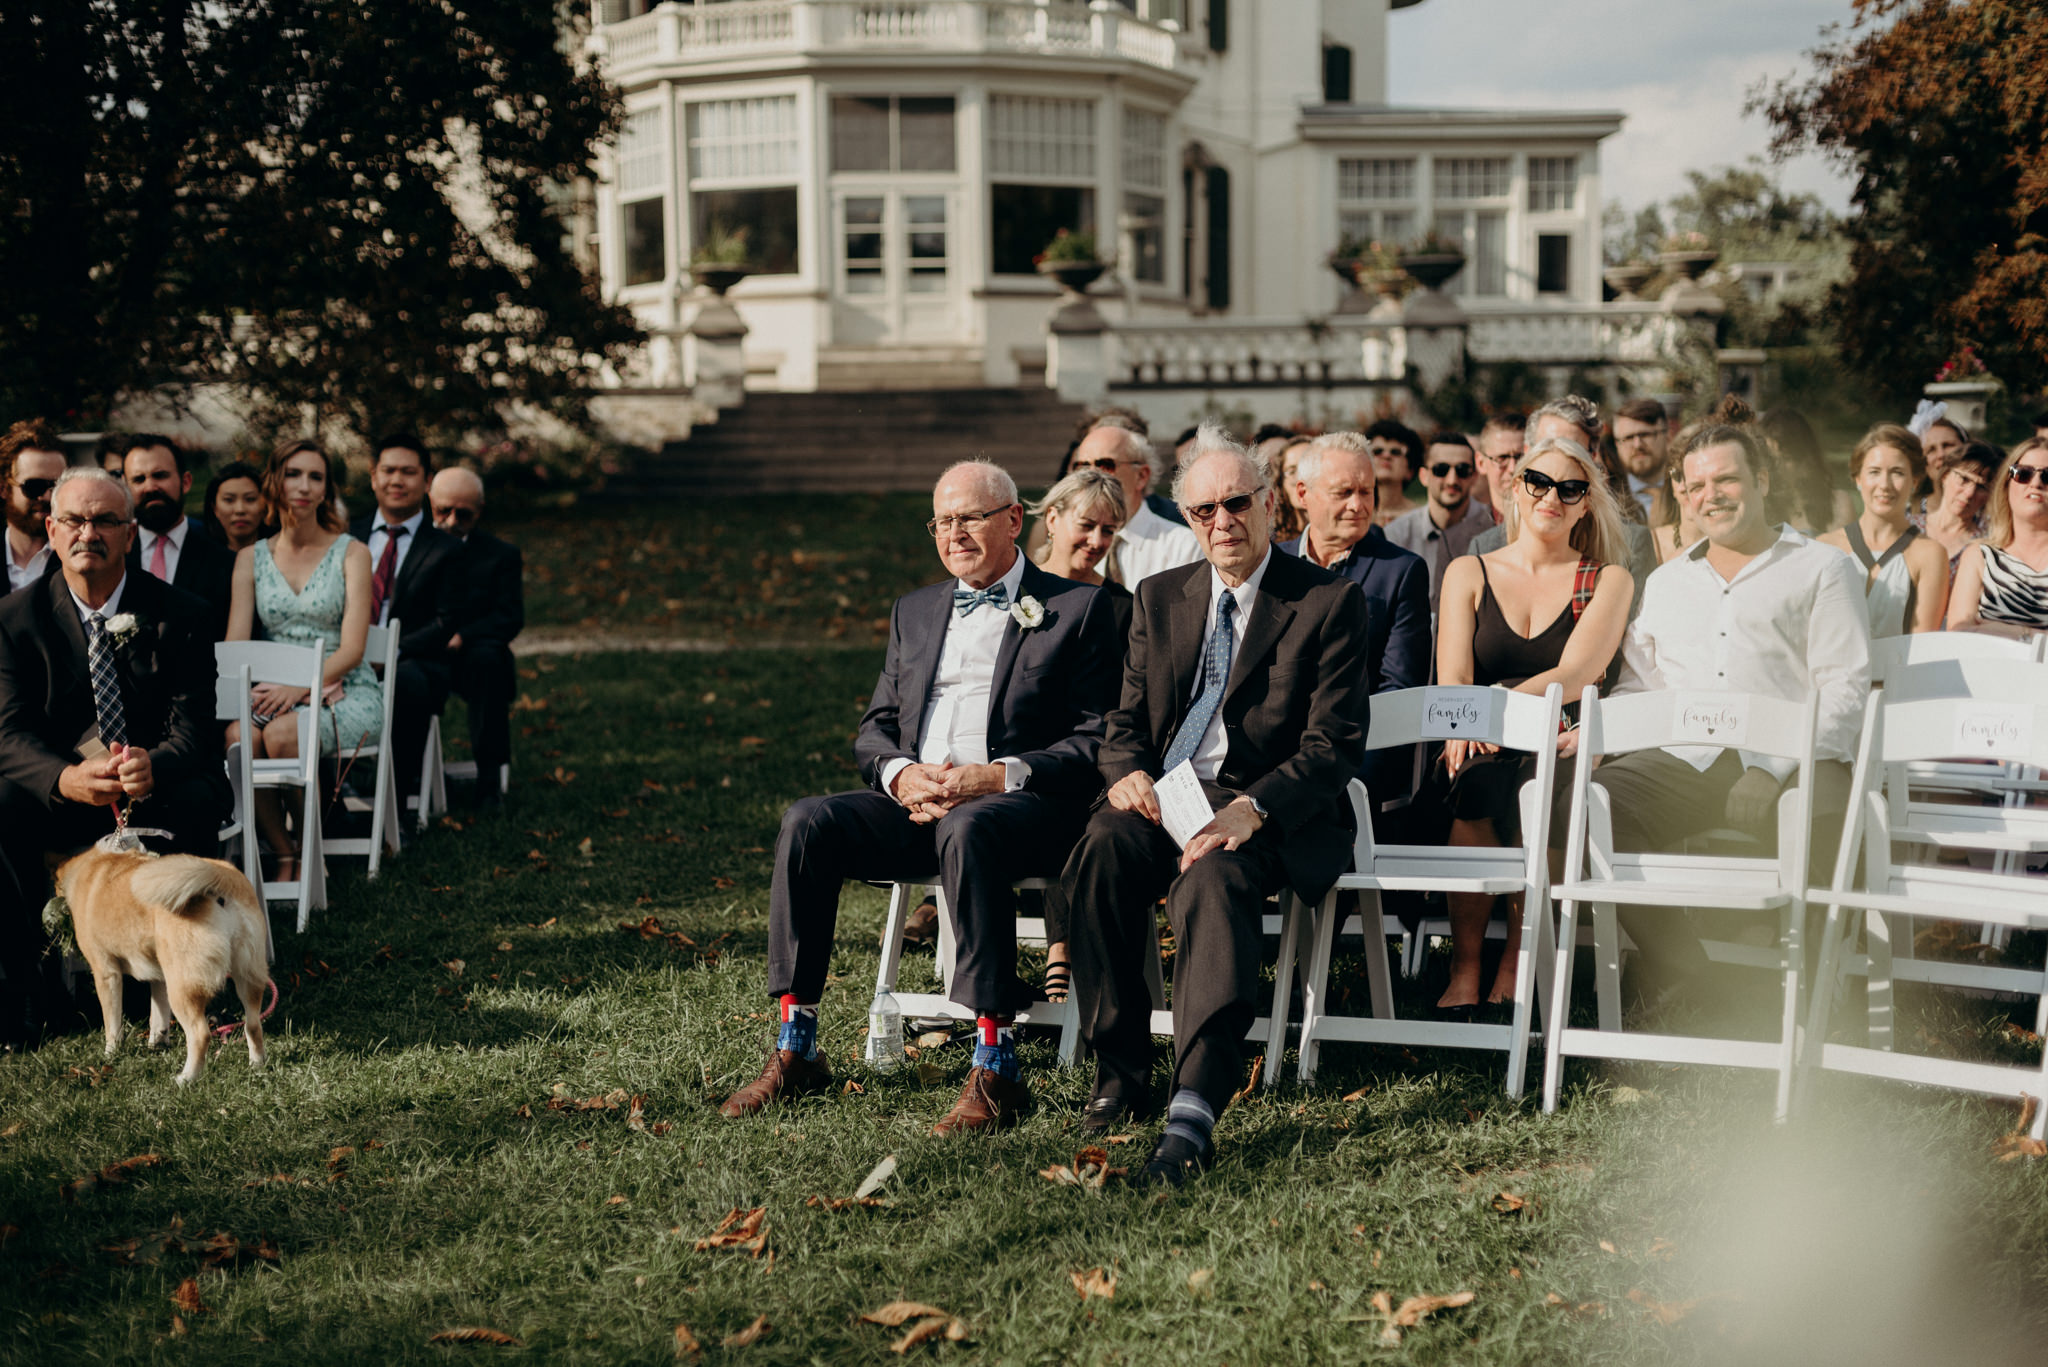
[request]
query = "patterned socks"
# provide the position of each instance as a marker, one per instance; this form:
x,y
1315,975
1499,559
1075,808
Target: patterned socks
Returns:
x,y
799,1027
1190,1118
995,1045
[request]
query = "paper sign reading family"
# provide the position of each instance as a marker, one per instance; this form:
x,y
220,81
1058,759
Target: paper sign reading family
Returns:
x,y
1712,718
1454,712
1183,807
1998,730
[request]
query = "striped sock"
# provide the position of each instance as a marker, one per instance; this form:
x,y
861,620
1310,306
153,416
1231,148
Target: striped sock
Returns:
x,y
799,1027
1190,1117
995,1045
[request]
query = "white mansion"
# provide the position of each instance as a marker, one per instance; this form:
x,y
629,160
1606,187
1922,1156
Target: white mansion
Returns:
x,y
897,164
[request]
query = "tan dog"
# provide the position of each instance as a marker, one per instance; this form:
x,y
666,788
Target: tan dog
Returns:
x,y
182,924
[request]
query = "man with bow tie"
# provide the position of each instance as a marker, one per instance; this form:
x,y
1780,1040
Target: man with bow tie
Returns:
x,y
979,750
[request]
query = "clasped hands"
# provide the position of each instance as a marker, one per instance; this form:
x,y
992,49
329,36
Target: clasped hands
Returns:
x,y
270,701
929,791
1459,753
1238,822
124,771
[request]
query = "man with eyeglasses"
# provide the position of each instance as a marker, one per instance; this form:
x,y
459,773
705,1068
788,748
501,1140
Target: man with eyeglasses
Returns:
x,y
979,749
1501,444
1147,543
1642,436
106,697
494,613
1250,669
33,459
1443,528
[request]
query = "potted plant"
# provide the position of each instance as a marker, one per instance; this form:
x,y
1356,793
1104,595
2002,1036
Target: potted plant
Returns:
x,y
1628,278
720,261
1070,261
1433,259
1688,255
1965,384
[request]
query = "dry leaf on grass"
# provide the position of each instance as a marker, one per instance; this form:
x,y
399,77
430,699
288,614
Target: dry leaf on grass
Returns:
x,y
2019,1144
753,1333
925,1330
1508,1202
1090,1169
877,1175
1361,1094
836,1204
186,1298
1664,1312
476,1333
747,1231
931,1039
177,1327
1200,1279
852,1088
610,1101
898,1313
1629,1096
1095,1282
1251,1084
687,1347
110,1174
1414,1311
12,1130
1607,1246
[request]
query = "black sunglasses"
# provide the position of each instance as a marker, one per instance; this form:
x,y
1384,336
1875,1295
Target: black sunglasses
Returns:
x,y
1237,505
1568,491
2019,474
1106,464
36,488
1463,468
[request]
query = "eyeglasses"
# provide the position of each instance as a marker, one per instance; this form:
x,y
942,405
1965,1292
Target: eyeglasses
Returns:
x,y
1568,491
2027,474
964,522
105,522
1107,464
1237,505
1463,469
33,489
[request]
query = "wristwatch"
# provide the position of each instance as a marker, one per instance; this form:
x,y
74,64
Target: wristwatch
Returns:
x,y
1256,806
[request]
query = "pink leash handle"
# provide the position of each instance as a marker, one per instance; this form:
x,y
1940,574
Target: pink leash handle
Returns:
x,y
223,1031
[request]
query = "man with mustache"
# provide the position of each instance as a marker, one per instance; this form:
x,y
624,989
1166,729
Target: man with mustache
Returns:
x,y
170,545
31,458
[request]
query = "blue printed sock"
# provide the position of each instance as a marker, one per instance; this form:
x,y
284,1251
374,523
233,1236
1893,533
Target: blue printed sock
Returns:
x,y
799,1027
995,1045
1190,1117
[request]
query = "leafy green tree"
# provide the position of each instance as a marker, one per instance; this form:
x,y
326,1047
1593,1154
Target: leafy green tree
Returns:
x,y
353,208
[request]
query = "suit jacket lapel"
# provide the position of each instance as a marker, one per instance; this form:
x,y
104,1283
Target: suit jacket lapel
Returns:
x,y
924,637
57,597
1270,615
1188,621
1006,653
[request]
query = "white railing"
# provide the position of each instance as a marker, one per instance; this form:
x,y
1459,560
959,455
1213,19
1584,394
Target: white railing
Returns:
x,y
1251,352
674,33
1605,333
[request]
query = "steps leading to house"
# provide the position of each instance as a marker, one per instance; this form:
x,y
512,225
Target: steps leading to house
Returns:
x,y
859,442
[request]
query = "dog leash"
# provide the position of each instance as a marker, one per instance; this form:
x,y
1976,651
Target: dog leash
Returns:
x,y
225,1031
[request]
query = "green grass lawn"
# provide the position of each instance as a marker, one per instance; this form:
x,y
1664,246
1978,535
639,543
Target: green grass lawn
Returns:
x,y
401,1160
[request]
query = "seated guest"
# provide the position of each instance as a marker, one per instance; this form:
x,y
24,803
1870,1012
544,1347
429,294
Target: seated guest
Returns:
x,y
1290,518
1444,528
481,647
979,751
1250,667
1500,446
106,696
417,580
1147,543
1753,608
1671,526
1269,443
110,452
1907,585
1642,440
1942,440
1396,456
310,582
233,512
32,459
1548,608
1955,515
169,544
2002,581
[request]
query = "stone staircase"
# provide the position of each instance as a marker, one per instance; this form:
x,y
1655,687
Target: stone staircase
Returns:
x,y
865,442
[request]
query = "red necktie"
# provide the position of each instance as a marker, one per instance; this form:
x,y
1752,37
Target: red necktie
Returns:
x,y
156,559
387,566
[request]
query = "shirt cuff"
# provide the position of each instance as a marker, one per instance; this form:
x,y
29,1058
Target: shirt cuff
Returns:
x,y
1779,769
1016,773
889,772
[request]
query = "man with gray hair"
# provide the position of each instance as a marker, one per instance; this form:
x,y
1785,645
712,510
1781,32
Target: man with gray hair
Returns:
x,y
1147,543
979,749
1245,675
106,700
494,612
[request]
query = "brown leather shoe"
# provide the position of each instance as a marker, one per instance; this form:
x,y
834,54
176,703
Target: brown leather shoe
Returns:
x,y
786,1074
988,1101
921,927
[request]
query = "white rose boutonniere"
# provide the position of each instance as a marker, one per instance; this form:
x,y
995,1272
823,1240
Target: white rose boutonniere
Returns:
x,y
122,627
1027,612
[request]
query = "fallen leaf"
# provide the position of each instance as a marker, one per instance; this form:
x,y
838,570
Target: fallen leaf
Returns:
x,y
1629,1096
1358,1095
1606,1246
896,1313
112,1173
177,1326
879,1174
1666,1313
852,1088
12,1130
931,1039
1660,1249
1251,1084
753,1333
687,1346
1415,1310
1508,1202
615,1200
455,966
2019,1144
1199,1279
587,848
922,1332
1095,1282
504,946
749,1232
472,1333
186,1298
929,1074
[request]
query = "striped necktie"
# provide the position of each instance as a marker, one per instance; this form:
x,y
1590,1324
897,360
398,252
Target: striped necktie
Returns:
x,y
106,688
1215,674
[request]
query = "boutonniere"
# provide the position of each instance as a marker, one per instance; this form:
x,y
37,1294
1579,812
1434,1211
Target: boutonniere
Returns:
x,y
122,627
1027,612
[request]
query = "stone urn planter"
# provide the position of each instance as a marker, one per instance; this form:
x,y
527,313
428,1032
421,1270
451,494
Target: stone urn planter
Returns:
x,y
1432,270
718,278
1627,279
1688,265
1968,400
1347,269
1073,277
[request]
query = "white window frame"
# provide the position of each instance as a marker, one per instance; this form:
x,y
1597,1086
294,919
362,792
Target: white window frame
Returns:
x,y
1017,157
1461,191
787,143
1552,194
1379,199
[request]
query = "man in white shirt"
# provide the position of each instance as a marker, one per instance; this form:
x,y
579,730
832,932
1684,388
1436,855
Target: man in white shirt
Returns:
x,y
1147,543
979,748
1753,608
32,458
1443,528
1643,438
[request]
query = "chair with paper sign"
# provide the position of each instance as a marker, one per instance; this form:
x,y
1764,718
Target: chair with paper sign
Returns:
x,y
242,665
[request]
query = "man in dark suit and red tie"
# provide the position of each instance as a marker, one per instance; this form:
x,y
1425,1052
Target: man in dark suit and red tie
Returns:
x,y
979,748
106,697
415,577
1249,669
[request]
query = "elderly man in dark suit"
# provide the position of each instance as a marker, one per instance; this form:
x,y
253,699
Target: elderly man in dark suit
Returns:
x,y
173,547
106,697
1249,668
494,612
417,578
979,749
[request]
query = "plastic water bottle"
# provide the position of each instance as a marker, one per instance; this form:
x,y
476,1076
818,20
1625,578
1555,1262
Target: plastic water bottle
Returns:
x,y
885,1034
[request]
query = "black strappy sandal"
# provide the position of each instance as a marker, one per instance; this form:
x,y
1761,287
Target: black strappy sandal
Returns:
x,y
1059,981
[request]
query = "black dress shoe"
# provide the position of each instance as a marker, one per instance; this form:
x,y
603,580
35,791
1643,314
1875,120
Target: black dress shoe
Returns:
x,y
1176,1161
1104,1113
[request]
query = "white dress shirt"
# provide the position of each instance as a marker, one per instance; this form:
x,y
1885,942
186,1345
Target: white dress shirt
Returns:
x,y
956,713
107,610
378,536
174,546
1148,543
1208,756
1790,621
19,576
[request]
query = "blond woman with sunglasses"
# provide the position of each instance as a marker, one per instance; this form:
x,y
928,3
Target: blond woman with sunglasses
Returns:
x,y
2002,581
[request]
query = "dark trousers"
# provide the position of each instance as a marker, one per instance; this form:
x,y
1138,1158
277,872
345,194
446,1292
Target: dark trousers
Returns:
x,y
977,851
421,693
1659,801
485,678
191,811
1122,866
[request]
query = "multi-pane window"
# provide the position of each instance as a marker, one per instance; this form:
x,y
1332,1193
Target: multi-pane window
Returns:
x,y
1376,199
892,133
1144,149
1471,177
1482,230
643,187
1144,215
1041,155
744,160
1553,183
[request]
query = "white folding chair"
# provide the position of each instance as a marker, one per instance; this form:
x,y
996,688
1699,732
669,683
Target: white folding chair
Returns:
x,y
432,799
1513,721
240,666
1596,873
2009,723
380,648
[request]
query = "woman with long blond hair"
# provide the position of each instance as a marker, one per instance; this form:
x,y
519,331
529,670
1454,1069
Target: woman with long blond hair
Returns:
x,y
2002,581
